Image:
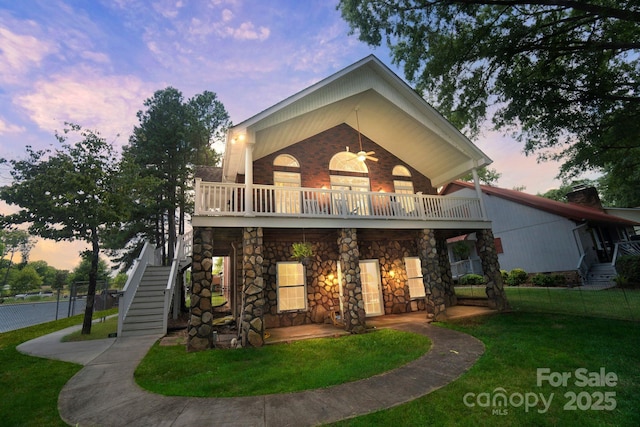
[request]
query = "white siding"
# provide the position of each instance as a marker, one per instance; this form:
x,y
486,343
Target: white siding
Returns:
x,y
532,239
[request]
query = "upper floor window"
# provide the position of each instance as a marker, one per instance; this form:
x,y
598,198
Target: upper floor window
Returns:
x,y
347,161
400,170
402,186
286,160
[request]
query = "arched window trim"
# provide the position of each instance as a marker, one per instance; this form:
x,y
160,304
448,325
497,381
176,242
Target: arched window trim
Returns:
x,y
400,170
286,160
346,161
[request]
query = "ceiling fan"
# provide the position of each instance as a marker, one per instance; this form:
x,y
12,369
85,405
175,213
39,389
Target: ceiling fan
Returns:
x,y
362,155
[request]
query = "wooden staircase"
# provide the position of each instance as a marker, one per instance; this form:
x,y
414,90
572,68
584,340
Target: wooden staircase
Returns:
x,y
146,312
600,276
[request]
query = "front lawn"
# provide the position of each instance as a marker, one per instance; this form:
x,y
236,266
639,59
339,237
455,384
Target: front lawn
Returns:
x,y
278,368
30,385
613,303
517,344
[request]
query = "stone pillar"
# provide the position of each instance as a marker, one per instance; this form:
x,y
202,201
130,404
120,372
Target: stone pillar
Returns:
x,y
431,274
200,328
353,303
450,298
491,270
253,301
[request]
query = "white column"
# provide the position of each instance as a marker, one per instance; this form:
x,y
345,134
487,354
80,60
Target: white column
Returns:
x,y
248,178
476,183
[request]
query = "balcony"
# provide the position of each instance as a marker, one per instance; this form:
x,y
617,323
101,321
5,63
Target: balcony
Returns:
x,y
229,200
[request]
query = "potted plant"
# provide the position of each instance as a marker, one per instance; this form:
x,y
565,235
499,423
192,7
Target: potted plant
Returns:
x,y
301,251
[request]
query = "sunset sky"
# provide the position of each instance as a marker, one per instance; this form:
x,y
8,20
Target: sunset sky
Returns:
x,y
94,63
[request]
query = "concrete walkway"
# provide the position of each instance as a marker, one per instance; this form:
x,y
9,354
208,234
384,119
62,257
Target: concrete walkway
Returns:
x,y
104,392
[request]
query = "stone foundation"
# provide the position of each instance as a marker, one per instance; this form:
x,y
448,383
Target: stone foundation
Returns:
x,y
253,300
450,298
491,269
354,315
323,295
436,293
200,328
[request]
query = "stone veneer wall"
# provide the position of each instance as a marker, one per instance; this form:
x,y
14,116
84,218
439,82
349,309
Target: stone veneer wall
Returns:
x,y
323,295
200,328
393,274
491,269
430,260
253,300
353,304
450,298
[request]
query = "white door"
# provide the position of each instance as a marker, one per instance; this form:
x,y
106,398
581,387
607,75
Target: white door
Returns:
x,y
371,287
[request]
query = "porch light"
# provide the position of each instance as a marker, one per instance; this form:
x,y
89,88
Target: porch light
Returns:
x,y
239,137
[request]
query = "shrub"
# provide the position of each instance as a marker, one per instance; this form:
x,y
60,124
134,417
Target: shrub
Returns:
x,y
542,280
628,266
471,279
517,277
505,275
549,280
559,280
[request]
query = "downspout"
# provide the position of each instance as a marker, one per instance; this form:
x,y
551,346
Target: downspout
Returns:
x,y
476,184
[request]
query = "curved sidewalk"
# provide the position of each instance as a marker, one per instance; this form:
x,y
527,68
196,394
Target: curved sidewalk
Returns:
x,y
104,392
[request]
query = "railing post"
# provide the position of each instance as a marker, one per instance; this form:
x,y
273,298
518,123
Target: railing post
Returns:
x,y
248,178
476,184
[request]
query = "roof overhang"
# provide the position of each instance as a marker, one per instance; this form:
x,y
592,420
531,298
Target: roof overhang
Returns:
x,y
389,112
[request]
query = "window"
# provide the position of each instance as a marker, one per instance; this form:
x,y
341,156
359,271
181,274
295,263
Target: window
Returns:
x,y
415,281
292,287
347,161
286,160
401,171
287,201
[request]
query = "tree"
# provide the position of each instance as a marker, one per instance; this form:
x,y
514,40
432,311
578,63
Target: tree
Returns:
x,y
173,135
563,75
61,279
82,272
560,194
120,280
25,280
67,193
15,241
485,176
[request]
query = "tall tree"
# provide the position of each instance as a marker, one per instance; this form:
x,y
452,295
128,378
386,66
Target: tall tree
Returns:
x,y
563,75
172,136
67,193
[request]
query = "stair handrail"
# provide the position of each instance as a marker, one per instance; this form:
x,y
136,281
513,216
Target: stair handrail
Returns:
x,y
173,275
625,248
583,269
133,281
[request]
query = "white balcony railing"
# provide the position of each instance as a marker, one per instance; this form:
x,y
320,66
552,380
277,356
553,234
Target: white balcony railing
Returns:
x,y
224,199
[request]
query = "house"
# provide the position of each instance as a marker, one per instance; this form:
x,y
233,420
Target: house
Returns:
x,y
349,166
541,235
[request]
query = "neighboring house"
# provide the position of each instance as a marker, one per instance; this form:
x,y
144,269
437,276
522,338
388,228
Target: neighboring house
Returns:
x,y
541,235
349,165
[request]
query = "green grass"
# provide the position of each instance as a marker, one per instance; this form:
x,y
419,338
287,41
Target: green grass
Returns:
x,y
517,344
99,330
279,368
30,385
611,303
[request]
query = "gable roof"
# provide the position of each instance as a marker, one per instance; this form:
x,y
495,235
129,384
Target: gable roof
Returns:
x,y
390,113
570,211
